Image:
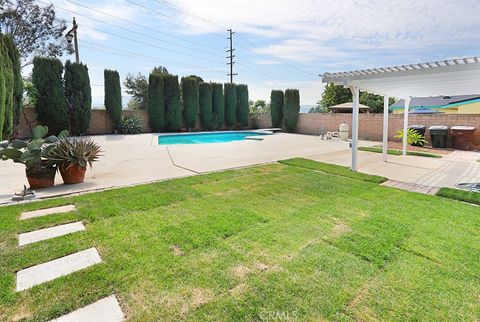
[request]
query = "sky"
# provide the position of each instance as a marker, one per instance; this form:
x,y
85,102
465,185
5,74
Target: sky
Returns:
x,y
279,44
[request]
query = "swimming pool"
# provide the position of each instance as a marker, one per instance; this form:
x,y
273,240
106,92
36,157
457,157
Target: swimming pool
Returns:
x,y
216,137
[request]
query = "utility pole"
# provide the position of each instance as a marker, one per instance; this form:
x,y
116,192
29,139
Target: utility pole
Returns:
x,y
72,35
231,56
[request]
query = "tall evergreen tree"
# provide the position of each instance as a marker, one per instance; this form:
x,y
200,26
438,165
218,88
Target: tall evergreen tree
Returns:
x,y
230,105
190,101
156,102
14,56
276,107
243,107
79,97
291,109
173,105
205,100
3,71
51,102
218,106
113,96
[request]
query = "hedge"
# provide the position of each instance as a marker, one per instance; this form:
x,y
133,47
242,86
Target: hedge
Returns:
x,y
156,102
17,79
51,102
291,108
5,68
189,87
172,103
243,108
218,106
205,100
230,105
79,97
113,96
276,107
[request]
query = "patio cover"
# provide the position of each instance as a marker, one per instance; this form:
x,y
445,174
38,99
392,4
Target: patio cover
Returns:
x,y
447,77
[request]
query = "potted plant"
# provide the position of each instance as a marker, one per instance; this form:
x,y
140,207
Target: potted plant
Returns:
x,y
71,156
33,154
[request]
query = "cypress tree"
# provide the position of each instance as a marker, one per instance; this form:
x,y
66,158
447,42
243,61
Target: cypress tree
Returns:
x,y
2,95
291,108
243,108
230,105
113,96
218,106
276,107
51,102
17,79
205,98
9,102
172,103
79,97
156,102
190,101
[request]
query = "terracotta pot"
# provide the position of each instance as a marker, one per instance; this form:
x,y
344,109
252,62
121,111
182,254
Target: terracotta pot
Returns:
x,y
39,178
72,174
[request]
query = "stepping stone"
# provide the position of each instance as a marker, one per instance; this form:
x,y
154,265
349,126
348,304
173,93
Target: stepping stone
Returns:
x,y
47,211
104,310
29,277
48,233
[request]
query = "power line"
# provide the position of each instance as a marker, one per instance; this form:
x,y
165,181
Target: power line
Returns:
x,y
231,56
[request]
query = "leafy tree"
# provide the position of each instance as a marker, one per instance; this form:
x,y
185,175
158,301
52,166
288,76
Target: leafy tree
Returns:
x,y
276,107
36,30
172,103
375,102
189,87
51,102
318,109
230,105
218,106
335,94
137,87
242,109
259,106
291,109
113,96
156,102
79,97
206,101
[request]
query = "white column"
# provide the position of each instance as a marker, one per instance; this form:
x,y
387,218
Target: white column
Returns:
x,y
356,99
385,128
405,125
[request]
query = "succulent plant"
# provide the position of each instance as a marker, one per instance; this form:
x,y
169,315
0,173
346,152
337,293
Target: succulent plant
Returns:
x,y
413,137
69,152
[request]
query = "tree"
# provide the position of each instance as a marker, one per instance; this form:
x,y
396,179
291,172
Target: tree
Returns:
x,y
205,101
218,106
259,106
113,96
79,97
7,87
230,105
137,87
375,102
51,102
291,109
318,109
14,56
36,30
276,107
242,109
156,102
189,87
172,103
334,95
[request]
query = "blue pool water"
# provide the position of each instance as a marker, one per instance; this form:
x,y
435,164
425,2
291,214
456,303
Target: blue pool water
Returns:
x,y
196,138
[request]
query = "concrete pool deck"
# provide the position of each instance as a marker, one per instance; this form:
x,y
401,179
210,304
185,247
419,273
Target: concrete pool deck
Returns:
x,y
136,159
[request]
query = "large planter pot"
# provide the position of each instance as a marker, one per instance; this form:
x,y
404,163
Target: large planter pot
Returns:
x,y
72,173
39,178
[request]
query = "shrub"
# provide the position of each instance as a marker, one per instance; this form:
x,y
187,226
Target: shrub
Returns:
x,y
79,97
291,108
130,125
190,101
113,96
51,102
276,107
156,102
243,109
172,103
230,105
205,100
14,56
218,106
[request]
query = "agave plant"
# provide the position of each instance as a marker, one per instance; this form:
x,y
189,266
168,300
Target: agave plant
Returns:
x,y
74,152
413,137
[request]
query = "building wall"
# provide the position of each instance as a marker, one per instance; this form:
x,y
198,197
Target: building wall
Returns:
x,y
472,108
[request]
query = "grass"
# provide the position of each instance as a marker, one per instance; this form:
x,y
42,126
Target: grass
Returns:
x,y
399,152
462,195
333,169
249,244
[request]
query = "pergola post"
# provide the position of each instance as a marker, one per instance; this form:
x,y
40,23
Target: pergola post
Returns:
x,y
356,99
385,128
405,125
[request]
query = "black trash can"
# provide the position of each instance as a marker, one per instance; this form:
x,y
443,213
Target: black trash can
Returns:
x,y
462,137
421,130
438,136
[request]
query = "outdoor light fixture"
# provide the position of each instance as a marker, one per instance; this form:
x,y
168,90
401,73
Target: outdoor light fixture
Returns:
x,y
72,35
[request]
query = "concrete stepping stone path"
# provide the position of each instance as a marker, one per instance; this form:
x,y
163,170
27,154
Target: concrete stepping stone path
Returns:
x,y
48,233
35,275
104,310
47,211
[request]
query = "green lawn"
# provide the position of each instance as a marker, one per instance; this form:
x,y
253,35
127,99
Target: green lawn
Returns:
x,y
272,240
399,152
458,194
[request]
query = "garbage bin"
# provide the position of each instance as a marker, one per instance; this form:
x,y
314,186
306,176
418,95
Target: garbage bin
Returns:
x,y
462,137
421,130
438,136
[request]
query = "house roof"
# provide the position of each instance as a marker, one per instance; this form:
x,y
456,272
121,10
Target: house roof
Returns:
x,y
348,105
436,101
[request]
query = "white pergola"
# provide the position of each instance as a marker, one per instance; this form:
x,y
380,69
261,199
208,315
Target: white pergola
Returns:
x,y
447,77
